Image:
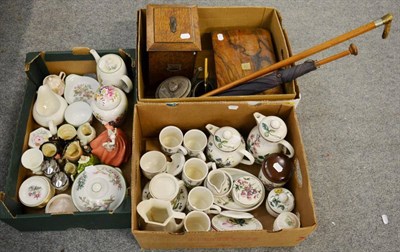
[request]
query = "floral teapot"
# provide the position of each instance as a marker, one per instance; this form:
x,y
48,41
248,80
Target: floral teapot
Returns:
x,y
110,105
268,137
226,147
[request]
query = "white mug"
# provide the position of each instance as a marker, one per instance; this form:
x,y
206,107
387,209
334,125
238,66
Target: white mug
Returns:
x,y
197,221
201,198
195,171
195,141
32,159
171,138
164,186
153,163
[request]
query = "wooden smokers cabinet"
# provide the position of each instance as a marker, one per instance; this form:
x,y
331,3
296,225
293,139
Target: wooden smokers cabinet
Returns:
x,y
172,39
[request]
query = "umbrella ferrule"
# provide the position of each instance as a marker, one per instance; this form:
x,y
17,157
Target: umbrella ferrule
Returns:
x,y
387,21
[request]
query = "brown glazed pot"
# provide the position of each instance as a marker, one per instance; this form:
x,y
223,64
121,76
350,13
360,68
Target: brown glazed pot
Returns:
x,y
276,170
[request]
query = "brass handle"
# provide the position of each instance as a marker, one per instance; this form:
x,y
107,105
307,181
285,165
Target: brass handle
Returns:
x,y
172,24
387,21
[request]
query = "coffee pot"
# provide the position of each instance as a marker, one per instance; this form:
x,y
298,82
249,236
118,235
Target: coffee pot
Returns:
x,y
226,147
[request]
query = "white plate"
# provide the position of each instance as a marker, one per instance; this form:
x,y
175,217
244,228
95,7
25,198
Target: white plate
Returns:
x,y
223,223
80,88
227,202
178,204
98,188
237,215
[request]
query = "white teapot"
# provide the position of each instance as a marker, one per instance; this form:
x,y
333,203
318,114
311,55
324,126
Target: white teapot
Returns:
x,y
268,137
226,147
48,110
110,105
111,70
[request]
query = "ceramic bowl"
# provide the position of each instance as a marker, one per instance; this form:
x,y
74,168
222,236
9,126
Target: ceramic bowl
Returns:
x,y
98,188
78,113
36,191
247,191
59,204
80,88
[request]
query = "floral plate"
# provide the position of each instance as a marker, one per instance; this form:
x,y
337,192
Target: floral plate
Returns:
x,y
178,204
80,88
223,223
98,188
227,202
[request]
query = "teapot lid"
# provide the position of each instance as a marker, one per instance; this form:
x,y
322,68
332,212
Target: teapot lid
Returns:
x,y
272,128
107,97
227,139
110,63
280,200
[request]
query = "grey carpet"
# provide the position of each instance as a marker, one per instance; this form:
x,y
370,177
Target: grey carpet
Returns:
x,y
349,112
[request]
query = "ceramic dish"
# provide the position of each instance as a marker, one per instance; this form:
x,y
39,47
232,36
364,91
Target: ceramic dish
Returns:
x,y
176,165
38,137
80,88
247,191
78,113
177,205
36,191
61,203
228,203
98,188
223,223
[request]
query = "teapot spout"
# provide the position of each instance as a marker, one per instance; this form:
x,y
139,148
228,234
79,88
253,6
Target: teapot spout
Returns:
x,y
95,55
259,117
212,128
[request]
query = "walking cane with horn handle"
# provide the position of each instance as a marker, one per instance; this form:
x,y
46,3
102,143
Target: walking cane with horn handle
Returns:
x,y
385,20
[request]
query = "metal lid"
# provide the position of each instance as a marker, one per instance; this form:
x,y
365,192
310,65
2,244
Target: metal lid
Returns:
x,y
50,167
59,180
280,200
174,87
272,128
227,138
35,191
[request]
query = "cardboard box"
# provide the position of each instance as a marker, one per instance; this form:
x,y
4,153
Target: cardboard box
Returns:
x,y
151,118
216,19
38,66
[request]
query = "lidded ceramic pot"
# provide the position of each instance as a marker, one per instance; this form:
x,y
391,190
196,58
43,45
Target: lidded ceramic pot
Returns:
x,y
279,200
247,191
276,170
36,191
174,87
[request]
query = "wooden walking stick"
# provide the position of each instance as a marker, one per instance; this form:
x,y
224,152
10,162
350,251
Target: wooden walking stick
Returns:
x,y
385,20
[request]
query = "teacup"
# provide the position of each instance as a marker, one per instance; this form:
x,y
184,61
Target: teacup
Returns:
x,y
73,151
56,82
195,141
201,199
78,113
219,182
50,149
66,132
32,159
171,138
195,171
164,186
197,221
153,163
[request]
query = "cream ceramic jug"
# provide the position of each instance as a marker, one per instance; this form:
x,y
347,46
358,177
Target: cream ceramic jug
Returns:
x,y
226,147
48,110
111,70
268,137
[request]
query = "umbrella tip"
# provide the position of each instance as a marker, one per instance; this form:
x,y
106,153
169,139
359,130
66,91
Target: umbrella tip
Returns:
x,y
353,49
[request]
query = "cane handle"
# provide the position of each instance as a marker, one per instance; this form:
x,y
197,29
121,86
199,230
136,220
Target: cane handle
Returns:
x,y
387,21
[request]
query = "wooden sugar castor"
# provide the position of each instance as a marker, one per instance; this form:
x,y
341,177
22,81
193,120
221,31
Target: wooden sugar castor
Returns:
x,y
240,52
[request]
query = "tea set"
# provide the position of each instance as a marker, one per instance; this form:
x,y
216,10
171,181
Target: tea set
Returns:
x,y
72,167
194,178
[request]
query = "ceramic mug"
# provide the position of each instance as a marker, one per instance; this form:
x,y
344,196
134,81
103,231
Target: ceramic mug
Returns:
x,y
201,199
219,182
56,82
195,141
111,70
197,221
32,159
171,138
152,163
164,186
195,171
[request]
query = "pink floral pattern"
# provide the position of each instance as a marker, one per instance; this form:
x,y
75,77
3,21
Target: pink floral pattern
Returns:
x,y
34,191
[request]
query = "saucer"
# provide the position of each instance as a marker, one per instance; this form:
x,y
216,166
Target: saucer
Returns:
x,y
178,204
223,223
80,88
98,188
227,202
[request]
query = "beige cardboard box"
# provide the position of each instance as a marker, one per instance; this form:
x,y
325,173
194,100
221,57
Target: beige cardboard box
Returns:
x,y
216,19
150,118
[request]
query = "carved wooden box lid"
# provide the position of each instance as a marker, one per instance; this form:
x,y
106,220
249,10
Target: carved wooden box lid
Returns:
x,y
172,28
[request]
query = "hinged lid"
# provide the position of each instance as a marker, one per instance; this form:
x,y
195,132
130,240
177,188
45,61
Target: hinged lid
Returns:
x,y
172,28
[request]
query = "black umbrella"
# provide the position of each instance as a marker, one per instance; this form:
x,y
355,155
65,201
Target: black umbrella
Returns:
x,y
281,76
